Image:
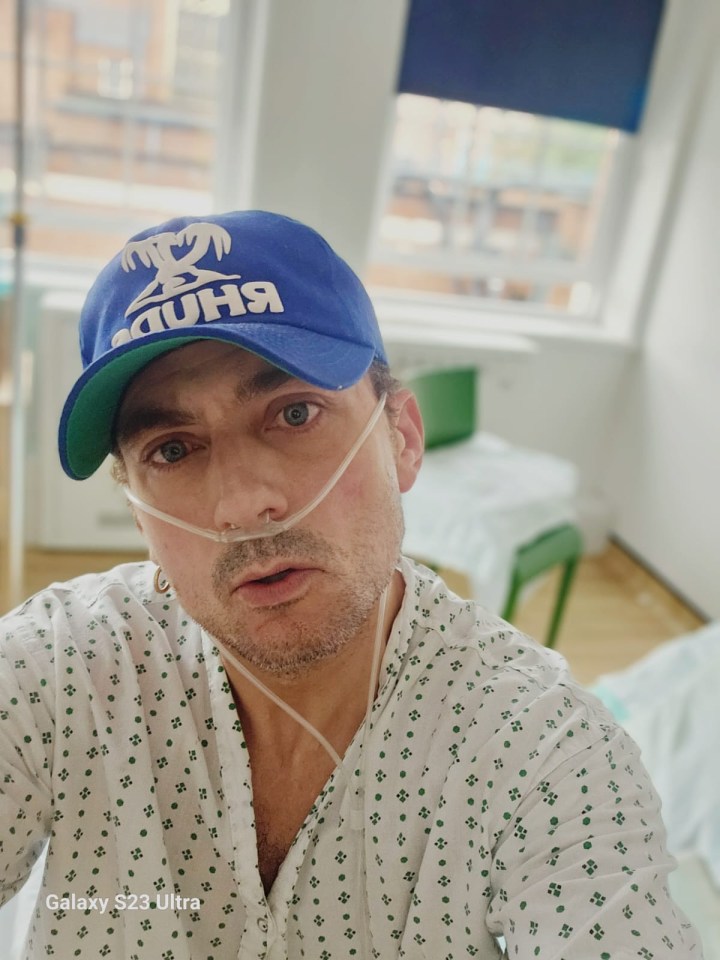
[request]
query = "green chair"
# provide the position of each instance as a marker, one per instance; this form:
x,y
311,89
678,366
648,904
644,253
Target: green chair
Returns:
x,y
448,402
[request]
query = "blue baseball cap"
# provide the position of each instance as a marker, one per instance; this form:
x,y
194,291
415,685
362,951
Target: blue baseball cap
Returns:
x,y
267,283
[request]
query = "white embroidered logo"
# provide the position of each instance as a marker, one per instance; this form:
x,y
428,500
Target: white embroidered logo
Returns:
x,y
179,282
157,251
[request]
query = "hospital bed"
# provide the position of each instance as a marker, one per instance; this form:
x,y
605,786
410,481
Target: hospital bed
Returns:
x,y
499,513
668,703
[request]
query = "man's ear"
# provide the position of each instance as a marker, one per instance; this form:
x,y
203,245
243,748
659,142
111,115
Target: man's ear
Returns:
x,y
409,435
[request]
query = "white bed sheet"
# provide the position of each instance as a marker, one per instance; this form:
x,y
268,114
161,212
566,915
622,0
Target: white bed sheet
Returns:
x,y
475,502
669,703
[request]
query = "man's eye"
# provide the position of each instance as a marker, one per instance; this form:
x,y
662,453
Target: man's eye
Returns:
x,y
296,414
171,452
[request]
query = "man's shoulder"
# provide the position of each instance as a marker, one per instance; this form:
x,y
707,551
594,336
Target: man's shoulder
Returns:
x,y
468,633
110,598
87,588
500,687
456,644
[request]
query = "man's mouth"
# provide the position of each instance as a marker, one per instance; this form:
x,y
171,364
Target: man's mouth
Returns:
x,y
268,574
273,577
279,586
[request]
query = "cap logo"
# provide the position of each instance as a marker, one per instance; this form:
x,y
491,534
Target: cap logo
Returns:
x,y
170,279
174,257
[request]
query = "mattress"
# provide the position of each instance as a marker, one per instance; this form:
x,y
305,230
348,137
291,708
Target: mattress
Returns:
x,y
475,502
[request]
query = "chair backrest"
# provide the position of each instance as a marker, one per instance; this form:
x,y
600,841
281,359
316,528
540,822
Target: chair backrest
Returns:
x,y
447,401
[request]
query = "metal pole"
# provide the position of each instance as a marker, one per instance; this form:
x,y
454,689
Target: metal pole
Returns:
x,y
16,525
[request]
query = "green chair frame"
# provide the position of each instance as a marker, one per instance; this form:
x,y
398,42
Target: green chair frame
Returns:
x,y
559,546
448,402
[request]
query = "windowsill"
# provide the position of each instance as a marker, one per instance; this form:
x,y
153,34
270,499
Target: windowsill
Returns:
x,y
410,343
409,321
413,330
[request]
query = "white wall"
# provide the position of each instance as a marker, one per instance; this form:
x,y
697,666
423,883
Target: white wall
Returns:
x,y
561,402
664,457
328,79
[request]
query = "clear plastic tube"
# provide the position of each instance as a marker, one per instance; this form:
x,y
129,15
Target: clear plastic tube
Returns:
x,y
357,801
298,717
271,527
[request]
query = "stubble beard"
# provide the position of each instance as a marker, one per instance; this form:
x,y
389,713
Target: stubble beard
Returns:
x,y
297,643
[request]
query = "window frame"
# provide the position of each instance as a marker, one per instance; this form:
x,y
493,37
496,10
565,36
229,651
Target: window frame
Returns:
x,y
56,210
595,270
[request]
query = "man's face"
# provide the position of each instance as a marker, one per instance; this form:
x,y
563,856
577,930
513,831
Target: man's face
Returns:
x,y
218,437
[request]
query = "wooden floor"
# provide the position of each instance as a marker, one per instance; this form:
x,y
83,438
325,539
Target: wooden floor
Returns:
x,y
616,612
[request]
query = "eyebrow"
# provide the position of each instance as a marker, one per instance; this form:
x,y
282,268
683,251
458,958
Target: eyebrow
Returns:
x,y
154,417
131,425
265,381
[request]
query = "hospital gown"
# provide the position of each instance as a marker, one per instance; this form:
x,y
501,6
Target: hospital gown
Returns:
x,y
499,800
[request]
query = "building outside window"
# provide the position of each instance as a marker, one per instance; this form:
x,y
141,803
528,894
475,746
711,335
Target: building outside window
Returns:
x,y
122,118
507,209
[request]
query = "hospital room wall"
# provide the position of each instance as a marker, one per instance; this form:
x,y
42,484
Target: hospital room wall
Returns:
x,y
324,90
664,475
325,84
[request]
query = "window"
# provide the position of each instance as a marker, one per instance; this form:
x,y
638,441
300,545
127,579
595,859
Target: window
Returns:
x,y
512,208
122,118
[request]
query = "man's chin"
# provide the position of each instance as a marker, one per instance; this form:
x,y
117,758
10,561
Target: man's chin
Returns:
x,y
279,639
282,659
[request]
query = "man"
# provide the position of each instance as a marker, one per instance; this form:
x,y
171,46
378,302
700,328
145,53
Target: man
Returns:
x,y
280,738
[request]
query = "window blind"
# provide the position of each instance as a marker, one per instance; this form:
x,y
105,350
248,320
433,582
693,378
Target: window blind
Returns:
x,y
586,60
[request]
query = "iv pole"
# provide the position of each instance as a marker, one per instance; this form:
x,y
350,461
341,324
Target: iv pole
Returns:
x,y
16,524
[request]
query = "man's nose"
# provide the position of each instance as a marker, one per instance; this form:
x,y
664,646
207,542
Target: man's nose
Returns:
x,y
249,487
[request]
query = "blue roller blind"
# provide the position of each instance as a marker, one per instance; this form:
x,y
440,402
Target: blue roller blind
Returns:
x,y
577,59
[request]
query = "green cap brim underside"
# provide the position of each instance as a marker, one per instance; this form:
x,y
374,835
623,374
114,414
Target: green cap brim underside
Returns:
x,y
88,435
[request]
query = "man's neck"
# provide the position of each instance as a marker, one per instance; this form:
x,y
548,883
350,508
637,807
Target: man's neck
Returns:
x,y
332,695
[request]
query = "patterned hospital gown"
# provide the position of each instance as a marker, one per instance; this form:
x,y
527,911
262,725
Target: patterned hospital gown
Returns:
x,y
497,798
